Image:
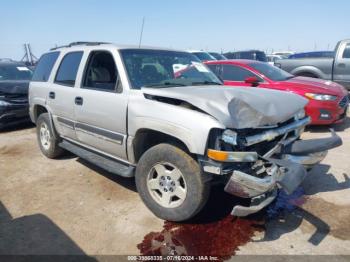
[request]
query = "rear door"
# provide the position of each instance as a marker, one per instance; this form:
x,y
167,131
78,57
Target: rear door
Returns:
x,y
101,105
341,71
62,91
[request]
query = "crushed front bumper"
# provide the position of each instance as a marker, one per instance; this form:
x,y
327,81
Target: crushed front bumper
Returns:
x,y
287,172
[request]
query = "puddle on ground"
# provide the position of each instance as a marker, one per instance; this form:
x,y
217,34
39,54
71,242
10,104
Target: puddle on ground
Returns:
x,y
221,236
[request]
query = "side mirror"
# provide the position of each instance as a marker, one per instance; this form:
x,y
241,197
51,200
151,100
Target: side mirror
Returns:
x,y
254,81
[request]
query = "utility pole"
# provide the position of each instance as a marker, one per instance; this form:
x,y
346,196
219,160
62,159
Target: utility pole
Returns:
x,y
143,23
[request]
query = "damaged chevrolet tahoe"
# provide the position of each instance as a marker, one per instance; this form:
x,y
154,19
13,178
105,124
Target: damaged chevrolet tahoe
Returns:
x,y
162,116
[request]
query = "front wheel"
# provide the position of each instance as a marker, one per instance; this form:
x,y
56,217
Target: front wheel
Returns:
x,y
170,183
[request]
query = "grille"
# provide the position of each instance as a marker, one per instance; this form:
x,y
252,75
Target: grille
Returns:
x,y
344,102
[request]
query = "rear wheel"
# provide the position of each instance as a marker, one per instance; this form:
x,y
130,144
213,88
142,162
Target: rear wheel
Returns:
x,y
170,183
48,143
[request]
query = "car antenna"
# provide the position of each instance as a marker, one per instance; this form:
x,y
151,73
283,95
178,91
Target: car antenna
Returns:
x,y
143,23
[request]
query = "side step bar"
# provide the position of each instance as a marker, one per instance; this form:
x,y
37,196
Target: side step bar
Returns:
x,y
104,162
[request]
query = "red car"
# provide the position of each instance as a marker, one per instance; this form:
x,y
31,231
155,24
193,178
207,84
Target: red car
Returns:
x,y
328,101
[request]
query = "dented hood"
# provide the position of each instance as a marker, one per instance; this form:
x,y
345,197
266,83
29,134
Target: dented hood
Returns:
x,y
237,107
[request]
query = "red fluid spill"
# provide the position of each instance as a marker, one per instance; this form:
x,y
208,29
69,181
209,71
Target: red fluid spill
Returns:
x,y
221,238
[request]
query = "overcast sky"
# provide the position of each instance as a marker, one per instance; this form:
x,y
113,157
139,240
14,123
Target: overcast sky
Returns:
x,y
210,25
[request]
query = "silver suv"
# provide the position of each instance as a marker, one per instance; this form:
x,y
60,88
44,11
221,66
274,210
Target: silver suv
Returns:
x,y
162,116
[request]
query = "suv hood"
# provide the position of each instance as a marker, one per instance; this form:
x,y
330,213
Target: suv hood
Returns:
x,y
237,107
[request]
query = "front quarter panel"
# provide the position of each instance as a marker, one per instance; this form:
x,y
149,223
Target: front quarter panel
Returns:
x,y
189,126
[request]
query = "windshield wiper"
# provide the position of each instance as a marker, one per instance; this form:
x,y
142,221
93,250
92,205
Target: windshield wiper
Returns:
x,y
165,84
206,83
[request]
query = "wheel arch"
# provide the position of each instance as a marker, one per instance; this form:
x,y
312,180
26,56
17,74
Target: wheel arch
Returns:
x,y
146,138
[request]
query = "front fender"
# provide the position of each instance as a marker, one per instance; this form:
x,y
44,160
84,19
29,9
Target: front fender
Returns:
x,y
188,125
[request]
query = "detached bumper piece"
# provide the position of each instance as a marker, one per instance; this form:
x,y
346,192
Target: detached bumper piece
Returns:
x,y
262,191
312,146
310,152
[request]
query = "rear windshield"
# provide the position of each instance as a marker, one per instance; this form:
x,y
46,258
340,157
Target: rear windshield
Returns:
x,y
14,72
250,55
203,56
272,72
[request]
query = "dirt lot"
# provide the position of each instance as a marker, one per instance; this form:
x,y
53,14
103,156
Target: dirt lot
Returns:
x,y
68,206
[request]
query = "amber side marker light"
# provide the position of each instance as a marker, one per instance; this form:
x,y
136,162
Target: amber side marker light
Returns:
x,y
217,155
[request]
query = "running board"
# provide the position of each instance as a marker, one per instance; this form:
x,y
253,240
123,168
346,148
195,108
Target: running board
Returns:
x,y
104,162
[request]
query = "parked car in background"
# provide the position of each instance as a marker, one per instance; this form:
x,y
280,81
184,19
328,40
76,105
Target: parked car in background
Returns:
x,y
328,101
273,58
314,54
284,53
336,68
124,109
203,56
218,56
251,55
14,82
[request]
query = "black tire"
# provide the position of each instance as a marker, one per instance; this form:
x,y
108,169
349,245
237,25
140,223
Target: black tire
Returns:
x,y
52,150
197,184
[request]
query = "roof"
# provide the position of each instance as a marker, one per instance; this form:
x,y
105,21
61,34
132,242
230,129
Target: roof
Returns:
x,y
244,51
235,61
11,62
83,45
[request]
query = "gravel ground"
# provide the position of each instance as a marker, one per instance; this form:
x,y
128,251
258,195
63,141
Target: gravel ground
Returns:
x,y
68,206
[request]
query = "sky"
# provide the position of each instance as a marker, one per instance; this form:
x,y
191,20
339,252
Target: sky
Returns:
x,y
221,25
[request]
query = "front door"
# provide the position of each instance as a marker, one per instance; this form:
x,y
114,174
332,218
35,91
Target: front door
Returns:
x,y
341,71
101,106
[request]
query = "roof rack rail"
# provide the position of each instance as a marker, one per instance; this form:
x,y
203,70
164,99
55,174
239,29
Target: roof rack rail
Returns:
x,y
80,43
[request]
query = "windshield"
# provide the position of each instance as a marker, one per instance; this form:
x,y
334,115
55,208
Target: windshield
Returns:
x,y
159,68
203,56
14,72
271,72
218,56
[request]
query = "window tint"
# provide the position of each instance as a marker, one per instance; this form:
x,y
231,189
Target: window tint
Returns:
x,y
43,69
215,69
68,69
234,73
346,53
101,72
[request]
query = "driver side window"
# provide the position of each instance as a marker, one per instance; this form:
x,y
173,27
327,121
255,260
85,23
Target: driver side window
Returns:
x,y
101,72
234,73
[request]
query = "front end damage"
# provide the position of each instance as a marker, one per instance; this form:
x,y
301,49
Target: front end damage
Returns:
x,y
256,163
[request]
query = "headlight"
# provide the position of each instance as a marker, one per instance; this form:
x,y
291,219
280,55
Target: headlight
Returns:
x,y
320,97
229,137
300,114
4,103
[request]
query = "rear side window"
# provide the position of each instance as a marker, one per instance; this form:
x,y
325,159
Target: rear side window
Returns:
x,y
234,73
68,69
43,69
215,69
346,53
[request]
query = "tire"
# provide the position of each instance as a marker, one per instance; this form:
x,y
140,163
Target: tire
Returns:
x,y
45,134
185,176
